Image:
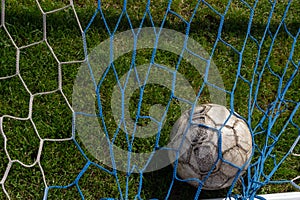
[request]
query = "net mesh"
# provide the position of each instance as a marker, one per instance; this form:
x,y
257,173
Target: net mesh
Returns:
x,y
257,53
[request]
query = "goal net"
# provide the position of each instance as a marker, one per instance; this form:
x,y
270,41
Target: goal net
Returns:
x,y
90,91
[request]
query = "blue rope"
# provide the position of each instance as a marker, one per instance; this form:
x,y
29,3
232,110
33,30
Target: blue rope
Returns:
x,y
256,176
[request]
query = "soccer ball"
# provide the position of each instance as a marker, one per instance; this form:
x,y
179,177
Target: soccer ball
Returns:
x,y
210,151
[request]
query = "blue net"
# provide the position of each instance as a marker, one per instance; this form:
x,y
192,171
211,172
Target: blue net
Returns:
x,y
155,60
271,111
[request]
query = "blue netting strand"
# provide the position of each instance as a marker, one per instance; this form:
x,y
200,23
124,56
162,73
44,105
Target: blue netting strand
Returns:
x,y
256,176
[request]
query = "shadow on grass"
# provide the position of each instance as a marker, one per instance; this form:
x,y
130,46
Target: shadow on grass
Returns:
x,y
203,24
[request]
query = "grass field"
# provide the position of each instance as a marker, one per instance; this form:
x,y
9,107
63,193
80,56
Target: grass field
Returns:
x,y
51,117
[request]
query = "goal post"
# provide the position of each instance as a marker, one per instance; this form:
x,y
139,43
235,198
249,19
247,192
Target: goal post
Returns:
x,y
90,91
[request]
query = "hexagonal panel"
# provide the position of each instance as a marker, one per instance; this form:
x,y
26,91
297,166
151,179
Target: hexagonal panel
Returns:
x,y
14,99
235,156
61,162
228,139
24,21
22,141
52,116
218,114
64,35
38,68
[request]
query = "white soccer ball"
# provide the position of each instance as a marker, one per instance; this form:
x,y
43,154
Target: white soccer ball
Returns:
x,y
199,143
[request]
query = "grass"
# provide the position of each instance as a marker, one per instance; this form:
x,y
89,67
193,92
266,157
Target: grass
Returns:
x,y
51,117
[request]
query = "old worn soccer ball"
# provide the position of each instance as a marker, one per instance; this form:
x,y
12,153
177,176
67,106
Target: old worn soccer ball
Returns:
x,y
214,147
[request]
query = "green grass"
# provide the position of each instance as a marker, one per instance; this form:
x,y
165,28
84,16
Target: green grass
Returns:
x,y
51,116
